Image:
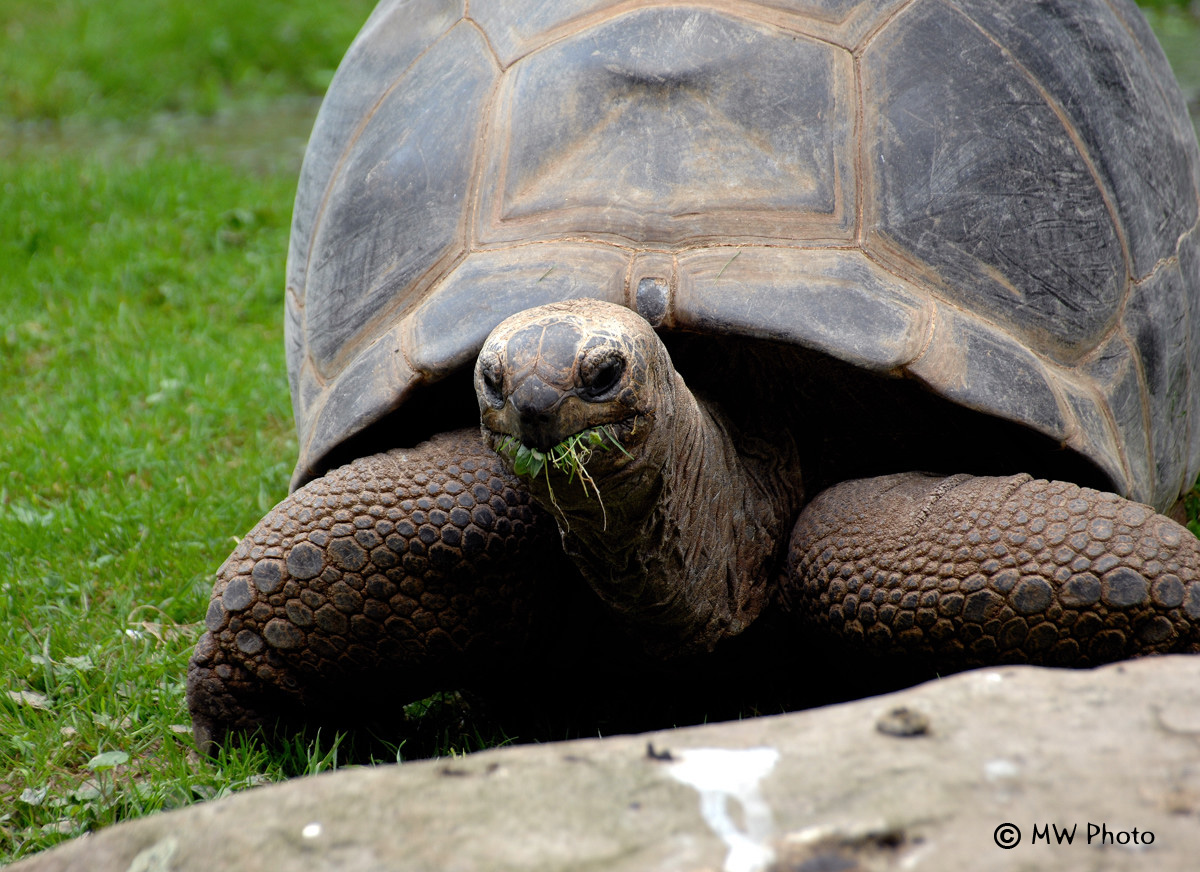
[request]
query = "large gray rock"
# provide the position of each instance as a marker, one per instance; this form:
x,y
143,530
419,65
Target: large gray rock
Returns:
x,y
1108,760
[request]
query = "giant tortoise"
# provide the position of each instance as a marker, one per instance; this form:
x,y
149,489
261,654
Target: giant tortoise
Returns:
x,y
857,329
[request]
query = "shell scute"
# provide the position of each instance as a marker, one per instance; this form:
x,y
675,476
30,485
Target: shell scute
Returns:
x,y
450,325
1152,180
406,184
978,179
1156,318
982,369
1114,370
611,132
395,35
833,301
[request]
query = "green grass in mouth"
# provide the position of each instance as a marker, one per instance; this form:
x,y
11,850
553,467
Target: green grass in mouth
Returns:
x,y
570,457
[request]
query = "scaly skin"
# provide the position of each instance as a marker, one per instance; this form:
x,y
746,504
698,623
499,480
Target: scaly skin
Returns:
x,y
398,573
971,571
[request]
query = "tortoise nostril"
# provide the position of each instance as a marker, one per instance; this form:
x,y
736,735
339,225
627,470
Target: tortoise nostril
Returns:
x,y
535,400
537,405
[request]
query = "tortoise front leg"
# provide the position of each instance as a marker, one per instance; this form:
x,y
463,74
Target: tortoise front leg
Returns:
x,y
389,578
972,571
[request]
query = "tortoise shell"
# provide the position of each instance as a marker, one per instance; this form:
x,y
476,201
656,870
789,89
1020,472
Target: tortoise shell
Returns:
x,y
997,199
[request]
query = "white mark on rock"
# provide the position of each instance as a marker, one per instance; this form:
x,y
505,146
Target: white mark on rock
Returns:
x,y
158,857
311,831
720,775
1000,769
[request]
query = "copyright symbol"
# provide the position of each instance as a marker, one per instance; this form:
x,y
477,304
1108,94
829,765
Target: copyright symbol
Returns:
x,y
1007,836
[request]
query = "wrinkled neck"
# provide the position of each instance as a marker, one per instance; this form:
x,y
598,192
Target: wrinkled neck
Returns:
x,y
687,542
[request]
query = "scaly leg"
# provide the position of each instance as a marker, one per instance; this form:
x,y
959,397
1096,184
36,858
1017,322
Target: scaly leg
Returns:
x,y
966,571
372,586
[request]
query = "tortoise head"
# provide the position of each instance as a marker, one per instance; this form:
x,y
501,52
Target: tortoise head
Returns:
x,y
583,374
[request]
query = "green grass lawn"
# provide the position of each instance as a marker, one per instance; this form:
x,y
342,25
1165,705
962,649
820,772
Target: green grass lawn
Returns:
x,y
143,400
144,409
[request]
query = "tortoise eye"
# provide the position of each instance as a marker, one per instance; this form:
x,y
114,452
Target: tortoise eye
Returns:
x,y
601,374
491,374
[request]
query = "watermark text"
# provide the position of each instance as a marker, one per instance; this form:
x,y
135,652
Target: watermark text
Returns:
x,y
1009,835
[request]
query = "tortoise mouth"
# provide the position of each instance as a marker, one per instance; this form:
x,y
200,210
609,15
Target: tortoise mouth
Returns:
x,y
602,448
